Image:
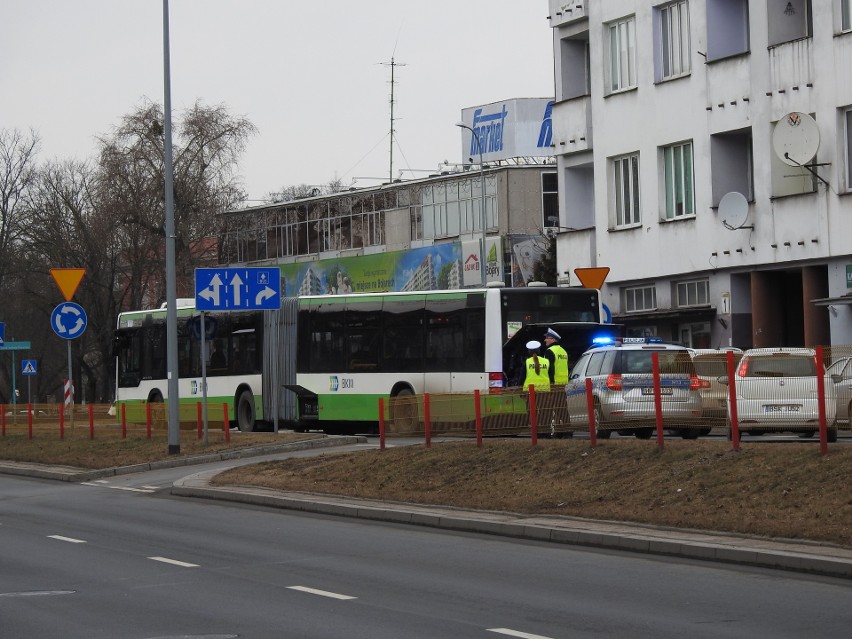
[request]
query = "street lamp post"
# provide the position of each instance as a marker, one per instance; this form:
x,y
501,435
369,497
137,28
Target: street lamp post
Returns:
x,y
482,258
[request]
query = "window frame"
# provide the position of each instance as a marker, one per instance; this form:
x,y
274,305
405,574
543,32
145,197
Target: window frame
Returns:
x,y
679,182
845,16
630,298
847,139
674,41
621,50
626,188
698,288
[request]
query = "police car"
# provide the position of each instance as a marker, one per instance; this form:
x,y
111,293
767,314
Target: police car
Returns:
x,y
623,393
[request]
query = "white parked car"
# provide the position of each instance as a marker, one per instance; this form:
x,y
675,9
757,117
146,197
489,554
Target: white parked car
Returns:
x,y
776,390
841,374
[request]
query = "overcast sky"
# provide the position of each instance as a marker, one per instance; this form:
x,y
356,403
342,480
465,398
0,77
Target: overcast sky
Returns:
x,y
308,74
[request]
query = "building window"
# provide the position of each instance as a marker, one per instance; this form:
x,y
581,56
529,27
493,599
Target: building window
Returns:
x,y
622,54
679,181
549,200
693,293
847,139
846,15
727,28
789,20
640,298
731,164
625,182
674,40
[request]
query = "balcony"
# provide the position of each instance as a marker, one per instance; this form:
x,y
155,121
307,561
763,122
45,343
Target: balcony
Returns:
x,y
572,125
562,12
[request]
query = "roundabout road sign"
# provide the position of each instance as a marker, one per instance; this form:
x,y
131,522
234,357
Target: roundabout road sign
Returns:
x,y
68,320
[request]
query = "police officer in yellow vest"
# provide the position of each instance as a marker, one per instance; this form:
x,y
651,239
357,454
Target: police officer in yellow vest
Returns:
x,y
537,369
557,357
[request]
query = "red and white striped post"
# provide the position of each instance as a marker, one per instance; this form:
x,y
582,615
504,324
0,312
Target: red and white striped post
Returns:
x,y
69,395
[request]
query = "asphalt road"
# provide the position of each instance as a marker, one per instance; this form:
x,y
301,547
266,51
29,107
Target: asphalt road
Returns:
x,y
122,558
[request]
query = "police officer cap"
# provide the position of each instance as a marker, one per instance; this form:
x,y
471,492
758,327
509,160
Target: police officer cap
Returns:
x,y
533,345
552,333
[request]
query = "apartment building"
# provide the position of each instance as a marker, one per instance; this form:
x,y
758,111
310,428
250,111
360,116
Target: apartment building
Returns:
x,y
704,155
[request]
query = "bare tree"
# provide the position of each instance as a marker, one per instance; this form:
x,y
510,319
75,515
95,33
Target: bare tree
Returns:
x,y
17,172
301,191
208,144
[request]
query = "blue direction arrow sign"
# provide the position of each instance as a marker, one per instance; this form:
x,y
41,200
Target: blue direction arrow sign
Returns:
x,y
28,367
68,320
237,289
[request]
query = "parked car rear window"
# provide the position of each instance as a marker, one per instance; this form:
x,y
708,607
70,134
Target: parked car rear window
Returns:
x,y
780,366
670,362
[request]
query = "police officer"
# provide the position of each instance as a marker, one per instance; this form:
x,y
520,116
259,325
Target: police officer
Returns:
x,y
536,369
557,357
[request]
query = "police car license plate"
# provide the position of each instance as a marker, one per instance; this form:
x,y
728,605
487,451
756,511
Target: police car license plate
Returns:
x,y
649,390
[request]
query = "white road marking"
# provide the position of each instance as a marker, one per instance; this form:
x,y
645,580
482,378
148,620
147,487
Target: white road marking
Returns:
x,y
70,540
127,488
174,562
151,487
516,633
321,593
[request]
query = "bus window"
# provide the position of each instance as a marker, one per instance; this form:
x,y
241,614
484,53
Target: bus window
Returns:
x,y
402,335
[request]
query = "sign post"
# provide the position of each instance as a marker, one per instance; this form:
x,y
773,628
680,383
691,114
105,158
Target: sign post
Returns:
x,y
14,346
28,369
232,289
68,279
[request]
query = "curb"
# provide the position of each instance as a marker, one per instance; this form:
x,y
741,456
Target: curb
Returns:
x,y
764,553
71,474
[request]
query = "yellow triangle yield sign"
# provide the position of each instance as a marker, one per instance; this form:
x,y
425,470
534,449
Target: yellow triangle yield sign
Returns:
x,y
592,277
68,279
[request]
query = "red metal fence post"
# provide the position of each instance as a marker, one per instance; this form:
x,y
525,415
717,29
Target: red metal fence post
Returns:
x,y
381,423
478,412
590,407
3,418
227,423
148,419
732,402
823,432
533,417
124,421
91,421
30,420
62,421
198,419
427,421
658,400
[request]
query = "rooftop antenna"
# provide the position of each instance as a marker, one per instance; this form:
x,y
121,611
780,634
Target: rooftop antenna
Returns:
x,y
392,64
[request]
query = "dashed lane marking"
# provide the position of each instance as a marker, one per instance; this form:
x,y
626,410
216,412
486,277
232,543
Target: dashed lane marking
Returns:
x,y
174,562
70,540
321,593
516,633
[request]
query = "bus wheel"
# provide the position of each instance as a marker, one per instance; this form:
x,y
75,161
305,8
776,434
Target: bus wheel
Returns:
x,y
403,412
245,412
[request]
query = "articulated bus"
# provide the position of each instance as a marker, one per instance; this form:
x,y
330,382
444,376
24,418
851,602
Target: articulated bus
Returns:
x,y
323,362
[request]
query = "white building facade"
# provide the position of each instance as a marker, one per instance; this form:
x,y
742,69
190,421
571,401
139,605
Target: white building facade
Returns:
x,y
704,155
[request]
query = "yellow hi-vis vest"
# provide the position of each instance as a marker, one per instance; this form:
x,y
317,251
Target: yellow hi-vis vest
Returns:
x,y
540,381
560,364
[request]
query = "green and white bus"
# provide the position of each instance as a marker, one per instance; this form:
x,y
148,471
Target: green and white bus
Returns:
x,y
234,361
322,362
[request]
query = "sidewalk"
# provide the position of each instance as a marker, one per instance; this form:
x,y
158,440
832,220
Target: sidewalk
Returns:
x,y
807,557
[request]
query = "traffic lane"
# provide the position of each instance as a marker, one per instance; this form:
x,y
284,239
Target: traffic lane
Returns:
x,y
401,577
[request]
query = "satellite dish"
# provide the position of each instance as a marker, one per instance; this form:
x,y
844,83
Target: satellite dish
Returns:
x,y
733,209
795,138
